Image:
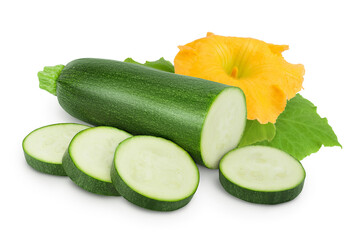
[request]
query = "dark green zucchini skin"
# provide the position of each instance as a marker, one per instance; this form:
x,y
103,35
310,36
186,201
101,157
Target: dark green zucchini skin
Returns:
x,y
138,99
260,197
84,181
44,167
142,201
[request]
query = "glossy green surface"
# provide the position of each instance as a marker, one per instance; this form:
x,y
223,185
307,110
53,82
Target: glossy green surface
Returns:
x,y
138,99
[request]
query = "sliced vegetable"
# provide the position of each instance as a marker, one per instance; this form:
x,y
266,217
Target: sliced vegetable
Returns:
x,y
45,146
261,174
154,173
206,118
89,157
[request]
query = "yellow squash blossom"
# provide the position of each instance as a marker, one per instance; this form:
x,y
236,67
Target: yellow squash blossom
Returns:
x,y
258,68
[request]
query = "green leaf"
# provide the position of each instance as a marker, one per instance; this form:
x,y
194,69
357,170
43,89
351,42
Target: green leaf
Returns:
x,y
256,132
300,131
160,64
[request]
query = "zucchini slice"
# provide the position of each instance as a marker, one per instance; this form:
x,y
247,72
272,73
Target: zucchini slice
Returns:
x,y
89,157
44,147
261,174
154,173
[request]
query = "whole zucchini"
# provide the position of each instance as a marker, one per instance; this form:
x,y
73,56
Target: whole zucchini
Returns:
x,y
206,118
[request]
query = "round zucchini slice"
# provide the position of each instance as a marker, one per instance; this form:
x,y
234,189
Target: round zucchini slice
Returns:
x,y
154,173
89,158
261,174
44,147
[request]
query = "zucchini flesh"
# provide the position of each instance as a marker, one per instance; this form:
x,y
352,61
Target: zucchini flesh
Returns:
x,y
261,174
146,101
44,147
89,158
154,173
222,128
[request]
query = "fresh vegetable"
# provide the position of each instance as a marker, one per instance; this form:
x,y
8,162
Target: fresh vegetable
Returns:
x,y
45,146
154,173
261,174
89,156
206,118
299,130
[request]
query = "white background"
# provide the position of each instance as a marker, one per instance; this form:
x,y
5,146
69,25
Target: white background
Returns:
x,y
323,35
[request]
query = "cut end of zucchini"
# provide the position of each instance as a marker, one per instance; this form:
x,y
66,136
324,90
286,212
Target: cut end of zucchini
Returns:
x,y
45,146
89,158
48,78
261,174
154,173
223,126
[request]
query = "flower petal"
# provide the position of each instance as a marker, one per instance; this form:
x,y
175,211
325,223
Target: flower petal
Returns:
x,y
265,104
278,49
258,68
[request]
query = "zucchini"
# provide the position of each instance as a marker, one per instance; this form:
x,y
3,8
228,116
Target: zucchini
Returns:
x,y
154,173
88,159
260,174
44,147
205,118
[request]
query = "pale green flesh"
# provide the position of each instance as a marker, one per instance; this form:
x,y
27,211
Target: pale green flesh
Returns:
x,y
262,168
92,150
156,168
48,144
223,127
